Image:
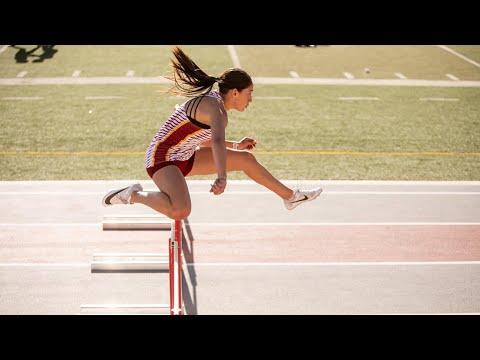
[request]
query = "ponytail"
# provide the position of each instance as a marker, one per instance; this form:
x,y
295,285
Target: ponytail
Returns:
x,y
189,79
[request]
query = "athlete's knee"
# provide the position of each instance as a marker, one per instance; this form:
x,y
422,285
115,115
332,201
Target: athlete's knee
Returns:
x,y
248,159
180,212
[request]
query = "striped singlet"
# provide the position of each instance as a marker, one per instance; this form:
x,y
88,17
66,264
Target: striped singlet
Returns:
x,y
180,135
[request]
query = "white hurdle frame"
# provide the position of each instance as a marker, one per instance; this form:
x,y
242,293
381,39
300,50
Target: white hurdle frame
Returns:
x,y
144,261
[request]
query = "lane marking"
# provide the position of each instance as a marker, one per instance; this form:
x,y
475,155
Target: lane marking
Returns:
x,y
452,77
400,76
242,192
234,56
76,73
294,74
270,264
446,48
251,224
130,73
348,75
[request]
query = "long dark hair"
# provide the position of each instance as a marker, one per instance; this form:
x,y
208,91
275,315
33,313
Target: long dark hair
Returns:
x,y
190,80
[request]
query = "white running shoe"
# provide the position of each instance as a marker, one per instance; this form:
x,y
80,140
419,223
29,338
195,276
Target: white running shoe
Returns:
x,y
300,197
120,196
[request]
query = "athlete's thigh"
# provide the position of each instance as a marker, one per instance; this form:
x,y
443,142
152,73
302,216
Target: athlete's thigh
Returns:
x,y
171,181
205,165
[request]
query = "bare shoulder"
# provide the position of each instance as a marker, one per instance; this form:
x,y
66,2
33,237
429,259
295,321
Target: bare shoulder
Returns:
x,y
210,109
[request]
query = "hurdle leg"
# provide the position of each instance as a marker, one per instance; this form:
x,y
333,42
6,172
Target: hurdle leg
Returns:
x,y
175,267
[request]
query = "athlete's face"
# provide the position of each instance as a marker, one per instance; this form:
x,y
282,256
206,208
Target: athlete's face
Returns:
x,y
242,98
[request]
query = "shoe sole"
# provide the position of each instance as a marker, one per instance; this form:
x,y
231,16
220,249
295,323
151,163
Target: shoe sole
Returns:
x,y
312,198
111,194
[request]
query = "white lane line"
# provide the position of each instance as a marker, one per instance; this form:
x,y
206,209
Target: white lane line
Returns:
x,y
21,74
400,75
439,99
452,77
359,98
272,264
247,182
446,48
130,73
76,73
103,97
294,74
336,263
234,56
325,192
22,98
348,75
259,224
3,48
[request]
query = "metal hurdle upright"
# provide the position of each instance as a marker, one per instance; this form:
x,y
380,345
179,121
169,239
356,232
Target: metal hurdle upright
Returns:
x,y
117,262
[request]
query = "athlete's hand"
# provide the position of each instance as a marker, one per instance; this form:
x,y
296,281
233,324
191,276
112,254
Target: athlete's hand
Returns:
x,y
218,186
247,143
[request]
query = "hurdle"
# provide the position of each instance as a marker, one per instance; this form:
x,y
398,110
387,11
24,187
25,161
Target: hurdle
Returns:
x,y
136,222
145,261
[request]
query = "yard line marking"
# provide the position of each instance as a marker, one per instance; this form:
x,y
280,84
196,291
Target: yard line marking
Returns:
x,y
234,56
103,97
256,80
21,74
130,73
348,75
3,48
22,98
400,75
446,48
76,73
452,77
294,74
358,98
439,99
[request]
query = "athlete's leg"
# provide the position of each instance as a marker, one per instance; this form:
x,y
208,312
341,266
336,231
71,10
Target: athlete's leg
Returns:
x,y
240,161
173,199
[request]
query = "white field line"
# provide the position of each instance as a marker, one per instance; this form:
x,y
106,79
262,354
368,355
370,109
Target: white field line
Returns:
x,y
446,48
257,80
272,264
452,77
358,98
234,56
254,224
439,99
348,75
22,98
294,74
22,74
400,76
3,48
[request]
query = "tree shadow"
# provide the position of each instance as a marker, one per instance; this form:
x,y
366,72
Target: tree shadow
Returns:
x,y
23,55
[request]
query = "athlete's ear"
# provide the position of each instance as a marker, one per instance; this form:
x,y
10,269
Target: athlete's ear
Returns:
x,y
234,92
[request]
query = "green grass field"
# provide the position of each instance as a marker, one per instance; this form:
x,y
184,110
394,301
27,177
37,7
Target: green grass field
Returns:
x,y
63,135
